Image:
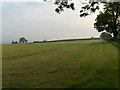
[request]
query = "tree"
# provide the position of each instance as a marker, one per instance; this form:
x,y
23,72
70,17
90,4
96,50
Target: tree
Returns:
x,y
37,42
15,42
44,40
12,42
26,40
105,35
108,20
23,40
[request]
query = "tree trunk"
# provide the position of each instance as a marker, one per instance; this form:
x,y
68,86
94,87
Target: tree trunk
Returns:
x,y
115,33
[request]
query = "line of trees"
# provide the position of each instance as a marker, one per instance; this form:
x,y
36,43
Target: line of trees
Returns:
x,y
24,40
40,41
14,42
21,40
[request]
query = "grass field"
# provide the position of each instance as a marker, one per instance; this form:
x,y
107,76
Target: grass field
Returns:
x,y
70,64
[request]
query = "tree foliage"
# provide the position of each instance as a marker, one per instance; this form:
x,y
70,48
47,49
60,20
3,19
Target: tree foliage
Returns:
x,y
23,40
109,19
63,4
14,42
105,35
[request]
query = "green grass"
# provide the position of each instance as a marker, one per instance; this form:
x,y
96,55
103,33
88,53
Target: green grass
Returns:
x,y
71,64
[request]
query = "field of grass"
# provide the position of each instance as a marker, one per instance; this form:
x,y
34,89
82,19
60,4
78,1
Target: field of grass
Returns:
x,y
70,64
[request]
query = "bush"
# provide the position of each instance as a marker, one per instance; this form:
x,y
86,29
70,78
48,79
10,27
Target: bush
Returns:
x,y
113,39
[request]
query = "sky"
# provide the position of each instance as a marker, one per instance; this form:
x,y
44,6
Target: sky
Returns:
x,y
39,21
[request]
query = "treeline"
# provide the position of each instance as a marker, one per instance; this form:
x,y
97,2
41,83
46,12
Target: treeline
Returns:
x,y
104,36
40,41
21,40
92,38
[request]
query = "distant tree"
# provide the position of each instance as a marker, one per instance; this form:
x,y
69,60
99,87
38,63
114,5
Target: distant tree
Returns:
x,y
44,40
12,42
92,38
37,42
15,42
34,42
26,40
23,40
105,35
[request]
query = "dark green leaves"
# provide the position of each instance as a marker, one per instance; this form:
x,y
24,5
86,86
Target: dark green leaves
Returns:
x,y
63,5
84,14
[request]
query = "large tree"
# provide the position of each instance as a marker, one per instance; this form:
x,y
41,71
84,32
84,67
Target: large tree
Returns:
x,y
23,40
108,20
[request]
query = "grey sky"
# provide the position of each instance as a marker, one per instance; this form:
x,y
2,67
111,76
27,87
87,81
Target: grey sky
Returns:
x,y
38,21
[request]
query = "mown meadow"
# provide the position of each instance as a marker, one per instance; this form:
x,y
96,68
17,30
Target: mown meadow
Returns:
x,y
67,64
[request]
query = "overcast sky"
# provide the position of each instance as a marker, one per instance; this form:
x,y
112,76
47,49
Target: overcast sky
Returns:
x,y
39,21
